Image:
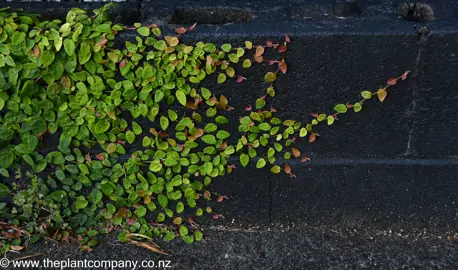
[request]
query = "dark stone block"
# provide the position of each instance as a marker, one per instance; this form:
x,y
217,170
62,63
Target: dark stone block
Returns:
x,y
375,194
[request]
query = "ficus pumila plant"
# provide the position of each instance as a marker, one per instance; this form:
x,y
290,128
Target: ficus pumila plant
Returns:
x,y
140,138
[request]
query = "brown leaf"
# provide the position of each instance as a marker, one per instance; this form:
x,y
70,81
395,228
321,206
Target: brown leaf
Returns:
x,y
153,131
258,59
100,157
36,51
381,94
296,152
283,67
312,137
269,43
148,246
282,48
287,169
122,212
391,81
87,157
259,51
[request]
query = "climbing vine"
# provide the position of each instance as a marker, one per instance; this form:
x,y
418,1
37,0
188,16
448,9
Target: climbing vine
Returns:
x,y
140,138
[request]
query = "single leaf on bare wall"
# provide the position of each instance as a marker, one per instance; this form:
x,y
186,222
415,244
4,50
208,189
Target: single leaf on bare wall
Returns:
x,y
283,67
381,94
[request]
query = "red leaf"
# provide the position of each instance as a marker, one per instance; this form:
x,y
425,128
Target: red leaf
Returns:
x,y
248,108
287,39
312,137
240,78
102,42
391,81
315,114
273,110
304,159
192,27
283,67
281,48
271,62
220,198
349,106
122,63
269,43
99,157
180,30
216,216
404,76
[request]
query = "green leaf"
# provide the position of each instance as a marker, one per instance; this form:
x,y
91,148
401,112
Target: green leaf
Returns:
x,y
130,136
183,230
18,38
163,200
136,128
366,94
81,202
261,163
209,128
159,45
198,235
69,46
226,47
270,77
260,103
180,207
209,139
357,107
164,121
144,31
303,132
158,96
6,158
47,57
275,169
101,126
221,78
330,120
169,236
340,108
264,126
181,96
58,195
103,28
141,211
222,134
206,94
244,159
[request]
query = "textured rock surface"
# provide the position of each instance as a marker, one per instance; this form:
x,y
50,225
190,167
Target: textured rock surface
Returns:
x,y
391,167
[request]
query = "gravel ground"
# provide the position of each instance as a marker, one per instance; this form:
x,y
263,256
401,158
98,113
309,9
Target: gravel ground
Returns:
x,y
280,247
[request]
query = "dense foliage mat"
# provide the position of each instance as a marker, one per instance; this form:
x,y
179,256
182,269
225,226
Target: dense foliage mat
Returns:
x,y
140,138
